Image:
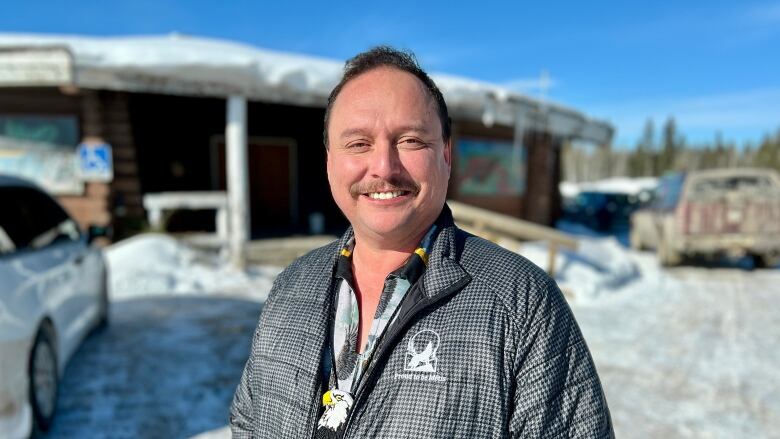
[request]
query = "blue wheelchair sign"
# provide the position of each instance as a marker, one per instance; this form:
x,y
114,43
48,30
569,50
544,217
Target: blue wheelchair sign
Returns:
x,y
95,162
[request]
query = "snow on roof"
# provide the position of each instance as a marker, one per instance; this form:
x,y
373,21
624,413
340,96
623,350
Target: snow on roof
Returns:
x,y
185,65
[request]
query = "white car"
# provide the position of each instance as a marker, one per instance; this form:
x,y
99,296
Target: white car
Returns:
x,y
53,291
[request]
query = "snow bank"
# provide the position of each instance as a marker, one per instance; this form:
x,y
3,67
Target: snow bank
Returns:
x,y
616,185
218,433
681,352
153,264
599,266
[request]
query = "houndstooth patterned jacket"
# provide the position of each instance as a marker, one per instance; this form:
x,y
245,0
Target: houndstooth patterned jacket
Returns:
x,y
484,346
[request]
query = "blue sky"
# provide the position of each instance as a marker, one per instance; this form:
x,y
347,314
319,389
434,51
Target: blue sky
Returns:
x,y
714,65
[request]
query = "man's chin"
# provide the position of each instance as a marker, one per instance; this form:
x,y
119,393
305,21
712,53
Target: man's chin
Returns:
x,y
384,230
390,229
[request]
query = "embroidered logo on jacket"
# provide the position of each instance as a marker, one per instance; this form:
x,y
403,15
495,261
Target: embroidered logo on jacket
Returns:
x,y
421,352
421,361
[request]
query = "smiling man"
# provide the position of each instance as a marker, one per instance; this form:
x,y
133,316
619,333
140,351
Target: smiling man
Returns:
x,y
408,326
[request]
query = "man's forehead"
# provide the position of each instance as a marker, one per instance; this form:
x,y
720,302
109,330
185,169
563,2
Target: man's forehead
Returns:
x,y
367,95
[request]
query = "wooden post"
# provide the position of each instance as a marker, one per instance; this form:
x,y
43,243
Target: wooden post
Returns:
x,y
552,252
237,179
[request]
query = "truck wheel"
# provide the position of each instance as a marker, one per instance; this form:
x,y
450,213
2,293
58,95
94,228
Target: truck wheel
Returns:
x,y
768,260
43,379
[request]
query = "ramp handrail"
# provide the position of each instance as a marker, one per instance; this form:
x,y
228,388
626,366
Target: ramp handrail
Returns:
x,y
491,225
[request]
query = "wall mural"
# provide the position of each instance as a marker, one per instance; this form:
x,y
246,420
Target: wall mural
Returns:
x,y
490,167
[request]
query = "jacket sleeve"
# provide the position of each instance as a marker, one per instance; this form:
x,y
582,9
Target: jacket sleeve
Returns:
x,y
241,408
557,391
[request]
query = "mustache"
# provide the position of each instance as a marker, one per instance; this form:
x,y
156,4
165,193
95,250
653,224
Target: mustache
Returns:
x,y
392,184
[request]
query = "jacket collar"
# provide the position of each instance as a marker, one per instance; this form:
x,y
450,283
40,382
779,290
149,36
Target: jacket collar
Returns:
x,y
444,271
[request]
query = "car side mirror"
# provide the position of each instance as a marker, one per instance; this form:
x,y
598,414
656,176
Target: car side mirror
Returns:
x,y
95,231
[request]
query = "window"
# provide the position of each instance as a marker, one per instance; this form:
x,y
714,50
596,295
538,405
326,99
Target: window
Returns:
x,y
740,183
50,130
31,219
669,191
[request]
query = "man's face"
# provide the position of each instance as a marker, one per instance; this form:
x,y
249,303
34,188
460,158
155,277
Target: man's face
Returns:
x,y
388,166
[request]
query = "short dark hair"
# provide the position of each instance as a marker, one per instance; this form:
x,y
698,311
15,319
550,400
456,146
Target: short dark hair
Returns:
x,y
386,56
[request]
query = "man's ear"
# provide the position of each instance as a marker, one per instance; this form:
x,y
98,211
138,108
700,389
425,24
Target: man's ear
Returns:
x,y
327,162
448,153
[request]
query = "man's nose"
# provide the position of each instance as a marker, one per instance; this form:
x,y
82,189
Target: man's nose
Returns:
x,y
385,161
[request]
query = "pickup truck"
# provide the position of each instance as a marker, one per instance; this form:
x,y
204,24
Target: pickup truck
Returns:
x,y
733,212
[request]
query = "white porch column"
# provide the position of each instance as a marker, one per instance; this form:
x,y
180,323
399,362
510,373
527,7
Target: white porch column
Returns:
x,y
237,179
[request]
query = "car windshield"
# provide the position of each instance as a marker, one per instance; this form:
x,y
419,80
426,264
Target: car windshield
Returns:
x,y
734,183
594,199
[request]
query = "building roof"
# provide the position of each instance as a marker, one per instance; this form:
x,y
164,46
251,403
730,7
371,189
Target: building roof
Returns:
x,y
193,66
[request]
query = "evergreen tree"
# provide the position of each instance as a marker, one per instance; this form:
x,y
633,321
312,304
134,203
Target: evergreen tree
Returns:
x,y
670,146
646,160
768,153
641,161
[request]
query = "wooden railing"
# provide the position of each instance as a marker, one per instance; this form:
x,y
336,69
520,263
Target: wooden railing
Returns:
x,y
494,226
156,204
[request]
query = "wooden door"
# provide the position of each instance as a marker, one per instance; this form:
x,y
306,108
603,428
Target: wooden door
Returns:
x,y
271,183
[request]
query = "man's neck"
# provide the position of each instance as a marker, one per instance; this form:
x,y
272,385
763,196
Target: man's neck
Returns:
x,y
380,258
370,266
377,261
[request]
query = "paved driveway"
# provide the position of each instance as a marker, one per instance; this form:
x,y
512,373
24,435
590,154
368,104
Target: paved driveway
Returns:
x,y
165,367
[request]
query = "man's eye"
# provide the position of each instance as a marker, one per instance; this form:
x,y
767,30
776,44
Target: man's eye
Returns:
x,y
357,145
411,143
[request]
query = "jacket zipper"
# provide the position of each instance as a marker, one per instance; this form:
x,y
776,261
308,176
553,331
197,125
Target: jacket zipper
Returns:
x,y
389,340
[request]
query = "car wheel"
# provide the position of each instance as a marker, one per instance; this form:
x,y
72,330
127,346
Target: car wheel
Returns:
x,y
44,379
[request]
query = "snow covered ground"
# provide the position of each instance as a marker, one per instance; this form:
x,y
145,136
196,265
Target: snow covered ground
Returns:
x,y
166,367
686,352
180,328
689,352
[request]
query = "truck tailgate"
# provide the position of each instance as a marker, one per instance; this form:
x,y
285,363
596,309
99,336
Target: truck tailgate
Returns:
x,y
714,208
733,213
